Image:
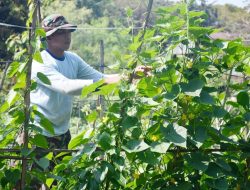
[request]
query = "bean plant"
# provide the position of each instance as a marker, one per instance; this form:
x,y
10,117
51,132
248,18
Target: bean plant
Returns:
x,y
184,127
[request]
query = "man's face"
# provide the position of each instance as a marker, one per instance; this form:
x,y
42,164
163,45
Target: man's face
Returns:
x,y
60,40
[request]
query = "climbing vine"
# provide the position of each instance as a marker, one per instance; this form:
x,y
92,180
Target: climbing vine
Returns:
x,y
184,127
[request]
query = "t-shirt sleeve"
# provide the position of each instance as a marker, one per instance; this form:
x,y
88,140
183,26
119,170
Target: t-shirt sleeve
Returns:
x,y
59,82
85,71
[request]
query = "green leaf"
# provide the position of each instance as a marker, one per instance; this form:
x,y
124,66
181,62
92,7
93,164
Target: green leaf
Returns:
x,y
18,55
135,146
206,98
200,135
12,175
21,82
175,90
107,89
243,99
43,78
80,139
175,134
12,97
247,116
147,88
198,161
33,85
49,181
148,157
193,87
120,179
105,141
40,141
115,108
160,147
133,47
13,68
43,163
92,116
129,122
40,32
4,107
219,112
198,31
220,184
148,54
26,152
193,14
119,162
148,102
222,163
46,124
37,57
91,88
100,173
214,170
232,128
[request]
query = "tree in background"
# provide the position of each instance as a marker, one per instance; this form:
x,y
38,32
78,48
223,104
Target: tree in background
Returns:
x,y
11,12
211,11
234,19
86,41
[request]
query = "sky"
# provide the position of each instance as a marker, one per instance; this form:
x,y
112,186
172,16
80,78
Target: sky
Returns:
x,y
239,3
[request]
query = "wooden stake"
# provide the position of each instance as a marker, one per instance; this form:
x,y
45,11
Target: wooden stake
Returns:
x,y
100,98
27,95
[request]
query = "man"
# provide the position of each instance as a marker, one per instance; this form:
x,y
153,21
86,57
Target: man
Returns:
x,y
67,72
68,75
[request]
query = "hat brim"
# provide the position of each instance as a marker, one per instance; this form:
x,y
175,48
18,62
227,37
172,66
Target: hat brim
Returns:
x,y
70,27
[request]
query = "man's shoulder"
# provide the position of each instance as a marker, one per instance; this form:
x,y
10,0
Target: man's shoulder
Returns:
x,y
71,54
47,60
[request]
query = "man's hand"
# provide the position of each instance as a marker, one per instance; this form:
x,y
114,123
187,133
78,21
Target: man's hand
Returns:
x,y
110,79
141,71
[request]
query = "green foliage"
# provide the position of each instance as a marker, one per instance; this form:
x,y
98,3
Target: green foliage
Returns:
x,y
160,131
141,141
12,12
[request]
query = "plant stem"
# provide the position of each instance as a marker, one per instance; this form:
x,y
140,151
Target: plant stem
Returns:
x,y
150,4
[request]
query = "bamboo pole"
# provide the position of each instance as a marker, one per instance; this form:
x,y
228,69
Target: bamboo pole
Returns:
x,y
27,94
100,97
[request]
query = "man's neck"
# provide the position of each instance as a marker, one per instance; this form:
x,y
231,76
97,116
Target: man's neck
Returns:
x,y
59,55
56,52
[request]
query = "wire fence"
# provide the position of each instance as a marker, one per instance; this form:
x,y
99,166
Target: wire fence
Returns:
x,y
78,28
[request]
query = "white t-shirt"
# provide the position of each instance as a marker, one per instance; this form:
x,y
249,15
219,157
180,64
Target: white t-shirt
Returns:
x,y
68,76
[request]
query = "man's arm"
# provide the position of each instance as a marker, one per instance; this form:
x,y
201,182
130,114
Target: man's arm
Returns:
x,y
59,83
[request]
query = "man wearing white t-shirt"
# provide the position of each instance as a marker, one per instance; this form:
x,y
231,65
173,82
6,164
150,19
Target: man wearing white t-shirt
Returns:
x,y
68,75
67,72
